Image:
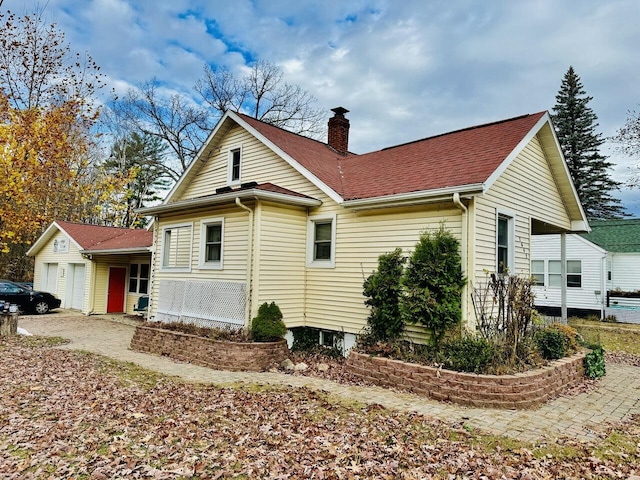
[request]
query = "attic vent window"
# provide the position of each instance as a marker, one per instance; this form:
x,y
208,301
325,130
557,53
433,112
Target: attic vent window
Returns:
x,y
234,168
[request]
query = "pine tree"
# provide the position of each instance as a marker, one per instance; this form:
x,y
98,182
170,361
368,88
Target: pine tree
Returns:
x,y
140,158
575,124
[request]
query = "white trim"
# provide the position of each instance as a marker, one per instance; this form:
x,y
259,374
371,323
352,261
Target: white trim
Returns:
x,y
516,151
203,264
165,228
138,278
548,273
230,151
413,198
532,274
510,215
208,146
290,160
230,197
46,236
311,223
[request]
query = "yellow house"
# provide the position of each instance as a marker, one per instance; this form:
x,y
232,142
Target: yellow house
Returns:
x,y
92,268
266,215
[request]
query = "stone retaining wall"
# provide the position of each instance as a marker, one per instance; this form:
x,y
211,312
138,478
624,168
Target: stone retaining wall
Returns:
x,y
522,390
220,355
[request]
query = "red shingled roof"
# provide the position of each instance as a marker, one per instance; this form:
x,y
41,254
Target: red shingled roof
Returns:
x,y
95,237
463,157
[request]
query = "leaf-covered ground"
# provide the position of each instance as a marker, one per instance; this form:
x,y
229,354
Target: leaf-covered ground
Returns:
x,y
72,415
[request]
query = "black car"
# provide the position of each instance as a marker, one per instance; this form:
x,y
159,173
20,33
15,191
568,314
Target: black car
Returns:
x,y
27,300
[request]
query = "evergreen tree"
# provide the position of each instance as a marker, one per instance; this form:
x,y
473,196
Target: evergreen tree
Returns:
x,y
575,124
140,157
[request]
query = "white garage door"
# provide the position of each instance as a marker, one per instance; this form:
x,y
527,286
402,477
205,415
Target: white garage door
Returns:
x,y
50,278
77,288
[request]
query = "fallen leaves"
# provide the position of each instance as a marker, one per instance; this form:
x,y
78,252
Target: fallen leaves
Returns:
x,y
70,415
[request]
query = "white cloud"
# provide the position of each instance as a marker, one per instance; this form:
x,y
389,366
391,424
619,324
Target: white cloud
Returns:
x,y
405,69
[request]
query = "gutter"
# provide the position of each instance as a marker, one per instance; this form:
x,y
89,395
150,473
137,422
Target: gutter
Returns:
x,y
247,308
229,197
413,198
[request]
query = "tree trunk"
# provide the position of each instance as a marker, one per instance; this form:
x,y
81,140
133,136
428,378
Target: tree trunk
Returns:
x,y
8,325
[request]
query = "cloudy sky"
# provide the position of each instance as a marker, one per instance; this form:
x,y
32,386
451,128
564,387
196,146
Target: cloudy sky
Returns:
x,y
406,69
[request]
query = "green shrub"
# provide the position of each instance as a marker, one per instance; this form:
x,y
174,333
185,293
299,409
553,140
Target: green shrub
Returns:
x,y
570,336
594,365
305,338
268,326
382,289
470,354
433,284
551,344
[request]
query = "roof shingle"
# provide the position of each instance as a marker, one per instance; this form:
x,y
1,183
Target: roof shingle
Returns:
x,y
463,157
96,237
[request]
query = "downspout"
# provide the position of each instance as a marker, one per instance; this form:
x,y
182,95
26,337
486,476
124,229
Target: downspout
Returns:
x,y
92,287
463,247
603,285
563,277
247,308
152,267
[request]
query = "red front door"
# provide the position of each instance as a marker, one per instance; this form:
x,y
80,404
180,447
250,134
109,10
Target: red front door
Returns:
x,y
115,295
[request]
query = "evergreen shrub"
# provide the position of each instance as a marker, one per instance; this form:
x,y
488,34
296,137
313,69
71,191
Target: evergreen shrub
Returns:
x,y
383,289
268,326
433,284
469,354
551,343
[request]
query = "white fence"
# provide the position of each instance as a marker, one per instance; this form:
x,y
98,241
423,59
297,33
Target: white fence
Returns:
x,y
206,304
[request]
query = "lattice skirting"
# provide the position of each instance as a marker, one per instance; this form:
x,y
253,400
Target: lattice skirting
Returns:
x,y
202,303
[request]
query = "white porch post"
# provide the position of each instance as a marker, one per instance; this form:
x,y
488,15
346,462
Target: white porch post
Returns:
x,y
563,276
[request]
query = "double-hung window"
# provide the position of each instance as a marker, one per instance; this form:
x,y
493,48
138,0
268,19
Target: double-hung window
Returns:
x,y
574,273
321,247
139,278
537,272
211,243
234,168
505,242
176,247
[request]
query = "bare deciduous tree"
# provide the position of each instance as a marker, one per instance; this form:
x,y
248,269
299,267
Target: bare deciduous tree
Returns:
x,y
181,125
37,67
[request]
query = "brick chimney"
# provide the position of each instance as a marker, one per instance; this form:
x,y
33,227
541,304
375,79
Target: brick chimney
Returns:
x,y
338,137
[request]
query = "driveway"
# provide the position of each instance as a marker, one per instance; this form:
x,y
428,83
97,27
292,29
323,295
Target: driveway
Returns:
x,y
580,416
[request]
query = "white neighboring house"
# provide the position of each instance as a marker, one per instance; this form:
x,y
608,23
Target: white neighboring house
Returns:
x,y
605,260
586,278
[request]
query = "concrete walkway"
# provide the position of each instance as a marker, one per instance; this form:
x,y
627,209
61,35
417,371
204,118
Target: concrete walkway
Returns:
x,y
580,416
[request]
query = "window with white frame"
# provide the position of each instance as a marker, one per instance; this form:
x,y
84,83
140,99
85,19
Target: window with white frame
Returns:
x,y
555,273
321,235
139,278
574,273
234,168
537,272
504,242
176,247
211,243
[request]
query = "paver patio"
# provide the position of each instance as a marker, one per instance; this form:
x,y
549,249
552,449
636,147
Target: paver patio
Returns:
x,y
580,416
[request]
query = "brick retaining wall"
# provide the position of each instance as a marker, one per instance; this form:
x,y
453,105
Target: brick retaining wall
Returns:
x,y
220,355
522,390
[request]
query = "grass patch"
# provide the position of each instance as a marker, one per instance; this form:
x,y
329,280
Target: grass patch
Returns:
x,y
36,341
130,374
613,337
